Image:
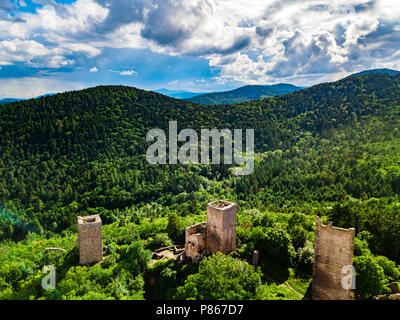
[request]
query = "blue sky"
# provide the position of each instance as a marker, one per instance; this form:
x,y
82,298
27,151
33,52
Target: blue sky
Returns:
x,y
196,45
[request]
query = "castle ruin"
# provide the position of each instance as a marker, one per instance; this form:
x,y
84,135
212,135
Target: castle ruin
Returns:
x,y
218,234
90,239
333,251
333,247
195,240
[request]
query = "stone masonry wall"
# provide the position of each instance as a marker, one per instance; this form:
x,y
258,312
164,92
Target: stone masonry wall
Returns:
x,y
333,250
195,243
221,227
90,239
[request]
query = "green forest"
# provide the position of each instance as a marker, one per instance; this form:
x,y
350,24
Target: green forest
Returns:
x,y
242,94
332,150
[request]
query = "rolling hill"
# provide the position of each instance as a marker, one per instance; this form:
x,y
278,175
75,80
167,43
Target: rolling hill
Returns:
x,y
72,135
389,72
11,100
331,150
243,94
8,100
177,94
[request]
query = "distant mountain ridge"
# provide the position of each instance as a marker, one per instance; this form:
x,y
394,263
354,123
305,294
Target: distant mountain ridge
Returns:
x,y
333,148
8,100
246,93
241,94
11,100
389,72
178,94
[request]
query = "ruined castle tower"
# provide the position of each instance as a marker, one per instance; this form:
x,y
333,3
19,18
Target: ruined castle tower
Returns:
x,y
90,239
221,227
333,251
195,243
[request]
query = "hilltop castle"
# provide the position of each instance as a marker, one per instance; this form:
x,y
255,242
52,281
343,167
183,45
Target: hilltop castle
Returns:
x,y
217,234
333,246
333,254
90,239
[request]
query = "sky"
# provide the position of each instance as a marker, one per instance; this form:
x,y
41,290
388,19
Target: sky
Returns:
x,y
49,46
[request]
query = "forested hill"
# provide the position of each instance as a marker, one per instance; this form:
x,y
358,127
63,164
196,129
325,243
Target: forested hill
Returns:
x,y
390,72
8,100
332,150
83,151
242,94
109,120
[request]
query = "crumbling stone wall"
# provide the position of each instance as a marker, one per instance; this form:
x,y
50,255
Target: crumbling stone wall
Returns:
x,y
333,250
90,239
195,244
221,226
217,234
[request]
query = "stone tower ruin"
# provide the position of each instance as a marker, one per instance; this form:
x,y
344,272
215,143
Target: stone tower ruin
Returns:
x,y
90,239
221,226
195,243
217,234
333,251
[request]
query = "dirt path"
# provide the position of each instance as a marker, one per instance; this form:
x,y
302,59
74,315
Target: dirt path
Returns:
x,y
287,285
291,288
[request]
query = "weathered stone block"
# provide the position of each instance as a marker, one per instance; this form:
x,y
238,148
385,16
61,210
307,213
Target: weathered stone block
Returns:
x,y
195,243
90,239
333,250
221,226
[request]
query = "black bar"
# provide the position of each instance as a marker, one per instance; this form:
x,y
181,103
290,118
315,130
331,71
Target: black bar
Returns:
x,y
196,309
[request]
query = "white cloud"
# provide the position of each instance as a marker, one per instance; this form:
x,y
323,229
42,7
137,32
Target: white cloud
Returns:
x,y
298,40
32,53
127,73
94,69
17,50
89,50
266,40
124,72
58,26
30,87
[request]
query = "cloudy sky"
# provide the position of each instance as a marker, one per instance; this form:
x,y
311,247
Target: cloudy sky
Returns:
x,y
197,45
